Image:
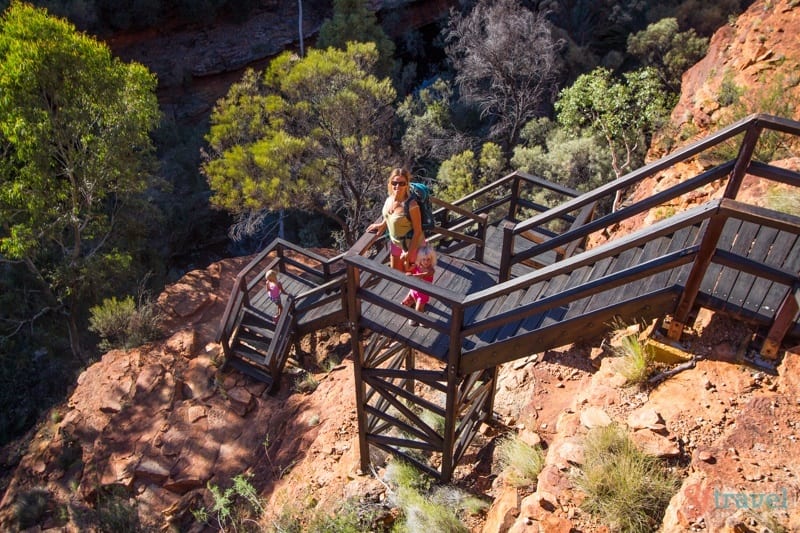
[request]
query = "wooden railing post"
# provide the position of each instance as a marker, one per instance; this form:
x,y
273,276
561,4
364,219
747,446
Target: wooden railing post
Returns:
x,y
713,232
742,161
481,248
353,318
451,414
506,251
280,254
708,247
513,204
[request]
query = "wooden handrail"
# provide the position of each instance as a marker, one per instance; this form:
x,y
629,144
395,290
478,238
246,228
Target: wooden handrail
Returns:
x,y
598,224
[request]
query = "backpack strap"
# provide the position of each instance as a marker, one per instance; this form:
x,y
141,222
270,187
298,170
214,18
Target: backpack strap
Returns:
x,y
407,213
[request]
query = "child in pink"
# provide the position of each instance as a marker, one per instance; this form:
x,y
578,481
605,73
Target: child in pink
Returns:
x,y
274,291
424,268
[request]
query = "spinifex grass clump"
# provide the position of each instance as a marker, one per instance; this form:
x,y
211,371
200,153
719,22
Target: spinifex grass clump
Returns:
x,y
637,360
424,507
625,488
520,460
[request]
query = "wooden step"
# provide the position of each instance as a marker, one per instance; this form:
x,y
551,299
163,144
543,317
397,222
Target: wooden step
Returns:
x,y
263,332
258,344
252,371
249,354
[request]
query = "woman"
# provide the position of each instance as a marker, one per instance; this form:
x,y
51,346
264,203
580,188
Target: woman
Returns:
x,y
405,232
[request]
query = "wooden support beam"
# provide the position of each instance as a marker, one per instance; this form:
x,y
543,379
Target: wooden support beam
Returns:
x,y
705,254
784,318
353,317
451,408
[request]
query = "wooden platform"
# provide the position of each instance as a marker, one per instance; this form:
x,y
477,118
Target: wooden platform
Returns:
x,y
638,278
313,311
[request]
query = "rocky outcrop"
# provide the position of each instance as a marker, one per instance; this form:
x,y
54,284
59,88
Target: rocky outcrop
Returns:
x,y
759,53
196,65
163,421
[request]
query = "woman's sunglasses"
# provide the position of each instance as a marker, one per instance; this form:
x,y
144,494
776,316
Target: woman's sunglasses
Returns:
x,y
398,184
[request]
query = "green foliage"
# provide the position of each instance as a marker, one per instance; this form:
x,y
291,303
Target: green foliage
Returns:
x,y
729,93
424,508
669,51
234,507
352,517
580,162
431,135
74,135
352,21
402,474
625,488
309,133
772,98
420,513
31,507
520,460
124,323
110,320
785,200
625,112
306,383
463,173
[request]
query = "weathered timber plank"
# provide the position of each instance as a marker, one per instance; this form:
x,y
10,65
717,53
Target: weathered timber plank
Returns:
x,y
681,239
728,277
597,271
748,285
586,327
726,240
622,261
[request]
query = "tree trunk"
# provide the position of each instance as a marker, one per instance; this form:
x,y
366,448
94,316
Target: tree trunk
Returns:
x,y
74,337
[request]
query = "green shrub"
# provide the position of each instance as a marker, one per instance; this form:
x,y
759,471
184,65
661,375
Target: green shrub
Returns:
x,y
423,508
625,488
520,460
421,513
352,517
401,474
729,93
124,324
306,383
233,507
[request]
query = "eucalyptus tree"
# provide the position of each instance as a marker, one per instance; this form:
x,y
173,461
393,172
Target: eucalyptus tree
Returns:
x,y
74,136
308,133
624,112
506,62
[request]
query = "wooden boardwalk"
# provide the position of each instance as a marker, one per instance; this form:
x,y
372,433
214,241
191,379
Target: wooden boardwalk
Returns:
x,y
507,288
576,299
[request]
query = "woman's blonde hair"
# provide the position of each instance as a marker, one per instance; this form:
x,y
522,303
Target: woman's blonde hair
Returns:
x,y
271,275
399,171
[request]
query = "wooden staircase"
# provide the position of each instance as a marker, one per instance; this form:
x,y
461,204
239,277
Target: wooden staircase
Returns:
x,y
260,346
